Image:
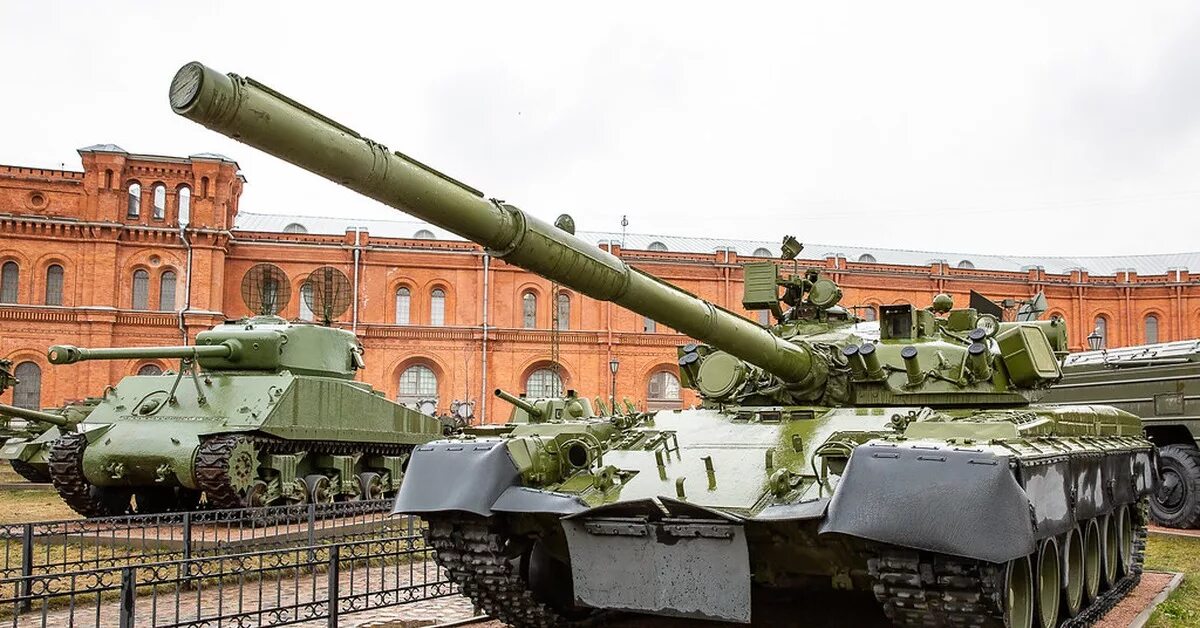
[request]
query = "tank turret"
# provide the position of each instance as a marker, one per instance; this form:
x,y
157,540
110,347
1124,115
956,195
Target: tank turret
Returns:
x,y
540,410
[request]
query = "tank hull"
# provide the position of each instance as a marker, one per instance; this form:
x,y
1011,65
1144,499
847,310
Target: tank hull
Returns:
x,y
708,504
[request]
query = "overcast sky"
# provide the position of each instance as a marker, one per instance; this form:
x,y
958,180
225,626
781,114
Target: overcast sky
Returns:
x,y
1050,128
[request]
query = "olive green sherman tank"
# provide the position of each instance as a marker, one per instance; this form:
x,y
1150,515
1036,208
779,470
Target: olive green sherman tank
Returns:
x,y
260,412
911,466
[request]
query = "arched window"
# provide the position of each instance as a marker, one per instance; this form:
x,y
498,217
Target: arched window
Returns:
x,y
10,275
662,393
868,313
306,313
108,179
529,310
966,264
133,207
417,383
159,200
166,291
185,205
1151,329
424,234
867,258
295,227
403,305
150,369
649,325
203,187
141,290
54,284
543,383
27,393
762,252
656,246
564,311
437,307
1102,330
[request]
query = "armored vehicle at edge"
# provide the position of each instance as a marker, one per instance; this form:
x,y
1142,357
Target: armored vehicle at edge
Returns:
x,y
913,468
29,453
261,411
1161,384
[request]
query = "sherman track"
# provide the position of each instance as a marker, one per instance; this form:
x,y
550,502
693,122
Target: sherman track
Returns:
x,y
66,472
29,472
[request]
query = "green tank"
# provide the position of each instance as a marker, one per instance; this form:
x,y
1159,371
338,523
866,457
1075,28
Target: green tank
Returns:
x,y
262,411
906,463
1161,383
29,452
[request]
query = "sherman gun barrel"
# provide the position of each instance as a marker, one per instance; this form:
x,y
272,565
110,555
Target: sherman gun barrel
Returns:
x,y
533,410
70,354
256,115
34,415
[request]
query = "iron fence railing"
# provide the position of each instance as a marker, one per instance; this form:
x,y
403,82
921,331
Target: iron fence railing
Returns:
x,y
263,583
29,549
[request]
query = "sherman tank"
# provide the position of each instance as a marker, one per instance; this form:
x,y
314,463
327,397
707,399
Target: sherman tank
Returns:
x,y
261,411
909,464
1159,382
29,452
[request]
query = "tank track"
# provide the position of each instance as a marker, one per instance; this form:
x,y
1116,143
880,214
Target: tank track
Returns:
x,y
66,472
212,459
29,472
473,551
922,589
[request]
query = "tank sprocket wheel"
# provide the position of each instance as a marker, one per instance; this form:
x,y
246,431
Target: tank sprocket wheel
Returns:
x,y
478,555
924,589
30,472
226,469
66,472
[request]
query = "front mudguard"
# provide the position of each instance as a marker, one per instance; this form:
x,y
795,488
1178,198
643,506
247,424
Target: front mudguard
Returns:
x,y
952,500
477,477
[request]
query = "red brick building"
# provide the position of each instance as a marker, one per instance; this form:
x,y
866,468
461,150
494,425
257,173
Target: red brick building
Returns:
x,y
98,258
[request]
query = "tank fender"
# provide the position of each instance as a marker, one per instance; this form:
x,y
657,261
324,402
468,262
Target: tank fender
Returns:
x,y
953,500
466,476
94,431
519,499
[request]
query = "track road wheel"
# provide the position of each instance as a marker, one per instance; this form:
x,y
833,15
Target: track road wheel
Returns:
x,y
1110,544
1048,583
318,489
370,485
1073,573
1019,588
1093,561
1176,504
1125,540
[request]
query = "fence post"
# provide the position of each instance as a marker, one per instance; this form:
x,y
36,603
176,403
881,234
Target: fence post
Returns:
x,y
26,565
334,584
187,536
312,524
128,598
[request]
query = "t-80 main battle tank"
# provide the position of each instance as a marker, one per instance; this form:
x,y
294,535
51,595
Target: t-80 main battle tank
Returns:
x,y
912,466
261,411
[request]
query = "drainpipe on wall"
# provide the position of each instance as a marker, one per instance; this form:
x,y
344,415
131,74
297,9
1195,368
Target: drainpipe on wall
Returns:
x,y
483,363
187,283
357,256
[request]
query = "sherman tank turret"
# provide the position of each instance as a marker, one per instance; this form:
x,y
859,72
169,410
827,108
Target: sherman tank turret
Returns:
x,y
906,461
260,411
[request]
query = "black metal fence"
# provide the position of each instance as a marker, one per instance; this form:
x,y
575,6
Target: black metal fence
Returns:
x,y
255,567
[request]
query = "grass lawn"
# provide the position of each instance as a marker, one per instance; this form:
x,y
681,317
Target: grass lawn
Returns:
x,y
33,505
1182,554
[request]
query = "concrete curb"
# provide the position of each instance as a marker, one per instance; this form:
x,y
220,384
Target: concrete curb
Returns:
x,y
1144,616
478,619
25,486
1191,534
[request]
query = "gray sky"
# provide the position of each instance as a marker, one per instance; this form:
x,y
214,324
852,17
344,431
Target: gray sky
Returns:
x,y
1008,128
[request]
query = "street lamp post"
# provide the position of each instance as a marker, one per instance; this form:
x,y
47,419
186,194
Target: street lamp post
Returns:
x,y
1095,340
613,365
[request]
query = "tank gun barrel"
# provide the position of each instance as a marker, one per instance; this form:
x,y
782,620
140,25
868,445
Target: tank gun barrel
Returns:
x,y
254,114
34,415
70,354
533,410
